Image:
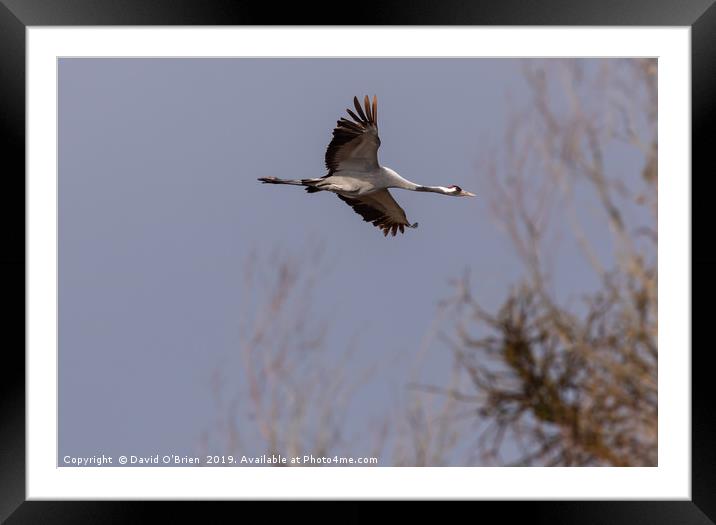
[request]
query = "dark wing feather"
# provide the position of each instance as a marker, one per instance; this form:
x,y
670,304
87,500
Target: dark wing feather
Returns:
x,y
360,110
381,210
368,112
353,116
355,143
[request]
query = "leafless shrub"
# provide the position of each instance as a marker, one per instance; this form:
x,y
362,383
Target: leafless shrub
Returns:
x,y
428,428
571,380
283,390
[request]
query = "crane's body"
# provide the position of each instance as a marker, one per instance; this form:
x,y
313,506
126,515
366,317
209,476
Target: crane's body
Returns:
x,y
355,175
355,183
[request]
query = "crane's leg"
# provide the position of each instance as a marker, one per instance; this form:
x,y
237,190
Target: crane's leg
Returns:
x,y
295,182
309,183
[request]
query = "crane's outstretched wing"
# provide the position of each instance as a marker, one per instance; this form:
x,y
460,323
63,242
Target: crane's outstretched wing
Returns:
x,y
381,209
355,142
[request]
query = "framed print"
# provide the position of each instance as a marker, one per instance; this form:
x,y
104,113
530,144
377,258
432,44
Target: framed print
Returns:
x,y
474,315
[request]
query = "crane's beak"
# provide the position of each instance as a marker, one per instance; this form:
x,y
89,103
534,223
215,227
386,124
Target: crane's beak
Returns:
x,y
464,193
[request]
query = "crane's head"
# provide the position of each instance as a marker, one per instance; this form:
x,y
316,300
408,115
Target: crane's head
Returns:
x,y
457,191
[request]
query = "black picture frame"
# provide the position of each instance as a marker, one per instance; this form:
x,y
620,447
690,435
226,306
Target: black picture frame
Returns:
x,y
17,15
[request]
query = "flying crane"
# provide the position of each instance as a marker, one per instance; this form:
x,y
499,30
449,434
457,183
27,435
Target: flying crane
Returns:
x,y
355,175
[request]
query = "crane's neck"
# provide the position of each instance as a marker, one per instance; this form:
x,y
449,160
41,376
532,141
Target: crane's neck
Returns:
x,y
435,189
396,181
